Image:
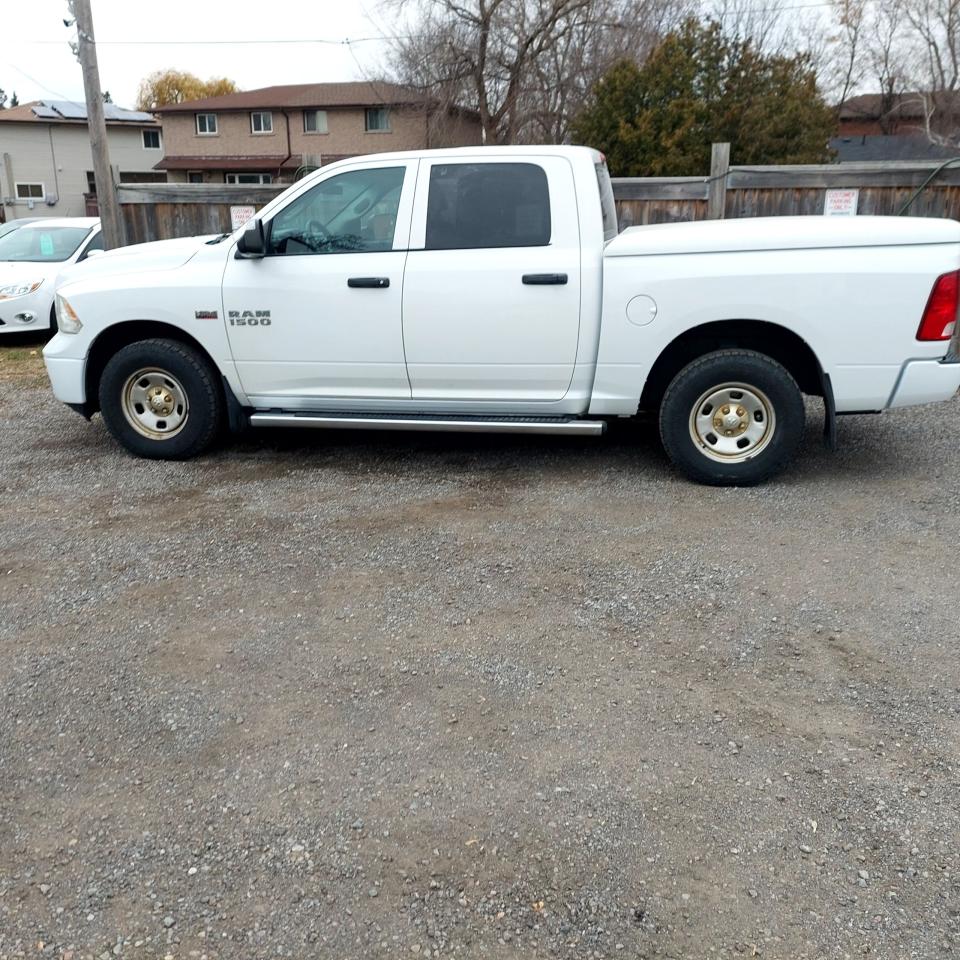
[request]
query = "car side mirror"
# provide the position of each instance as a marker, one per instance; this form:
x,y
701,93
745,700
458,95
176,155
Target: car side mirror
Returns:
x,y
252,244
92,253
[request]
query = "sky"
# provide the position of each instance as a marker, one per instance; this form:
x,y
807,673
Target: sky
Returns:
x,y
135,38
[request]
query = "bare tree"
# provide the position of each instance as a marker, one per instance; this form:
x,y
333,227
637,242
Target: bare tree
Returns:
x,y
525,66
936,28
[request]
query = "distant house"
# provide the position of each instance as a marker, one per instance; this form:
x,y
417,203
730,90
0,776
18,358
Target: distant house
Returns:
x,y
266,135
46,168
876,114
894,147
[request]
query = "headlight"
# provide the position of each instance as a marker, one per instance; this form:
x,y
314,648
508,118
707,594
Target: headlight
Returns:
x,y
18,290
67,319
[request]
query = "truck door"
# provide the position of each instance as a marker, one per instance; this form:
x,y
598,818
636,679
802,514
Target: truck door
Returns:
x,y
319,316
491,292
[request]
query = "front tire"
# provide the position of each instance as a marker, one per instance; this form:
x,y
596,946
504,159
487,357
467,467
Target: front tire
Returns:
x,y
732,418
161,400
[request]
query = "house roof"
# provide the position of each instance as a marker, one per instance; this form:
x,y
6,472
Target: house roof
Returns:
x,y
361,93
878,147
905,106
70,111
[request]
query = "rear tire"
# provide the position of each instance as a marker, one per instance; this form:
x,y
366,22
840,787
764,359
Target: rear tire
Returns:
x,y
732,418
161,399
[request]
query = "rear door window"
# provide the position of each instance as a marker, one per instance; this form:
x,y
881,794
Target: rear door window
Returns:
x,y
472,205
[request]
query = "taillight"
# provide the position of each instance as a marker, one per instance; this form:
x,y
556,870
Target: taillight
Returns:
x,y
940,316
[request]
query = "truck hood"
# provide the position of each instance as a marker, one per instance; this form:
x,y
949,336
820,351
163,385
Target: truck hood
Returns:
x,y
780,233
159,255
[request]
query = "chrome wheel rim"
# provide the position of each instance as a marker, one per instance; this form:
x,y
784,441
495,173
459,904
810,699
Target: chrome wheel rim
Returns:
x,y
155,403
732,422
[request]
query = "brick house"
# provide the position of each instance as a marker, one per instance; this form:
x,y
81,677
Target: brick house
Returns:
x,y
266,135
902,114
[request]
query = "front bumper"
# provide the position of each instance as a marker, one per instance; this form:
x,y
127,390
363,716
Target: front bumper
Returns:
x,y
927,381
67,377
14,313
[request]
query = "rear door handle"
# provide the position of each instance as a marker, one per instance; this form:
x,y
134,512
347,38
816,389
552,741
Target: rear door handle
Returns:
x,y
544,279
377,283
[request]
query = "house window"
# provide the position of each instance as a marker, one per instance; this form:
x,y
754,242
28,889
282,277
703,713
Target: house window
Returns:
x,y
151,139
261,122
30,191
314,121
194,176
377,120
249,178
206,124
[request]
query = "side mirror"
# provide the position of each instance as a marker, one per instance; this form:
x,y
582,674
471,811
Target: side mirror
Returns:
x,y
92,253
252,244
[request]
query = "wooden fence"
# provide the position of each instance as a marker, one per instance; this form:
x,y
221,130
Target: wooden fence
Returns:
x,y
781,191
159,211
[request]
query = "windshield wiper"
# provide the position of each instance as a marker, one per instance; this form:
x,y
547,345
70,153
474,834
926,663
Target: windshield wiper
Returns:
x,y
218,239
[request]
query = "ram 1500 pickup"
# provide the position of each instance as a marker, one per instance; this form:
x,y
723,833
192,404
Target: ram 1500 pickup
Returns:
x,y
488,289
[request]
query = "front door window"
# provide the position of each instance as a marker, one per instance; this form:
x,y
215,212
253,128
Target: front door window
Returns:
x,y
354,212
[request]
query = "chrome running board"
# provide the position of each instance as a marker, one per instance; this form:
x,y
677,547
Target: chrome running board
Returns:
x,y
352,421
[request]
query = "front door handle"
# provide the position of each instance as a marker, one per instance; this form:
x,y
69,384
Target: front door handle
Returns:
x,y
544,279
377,283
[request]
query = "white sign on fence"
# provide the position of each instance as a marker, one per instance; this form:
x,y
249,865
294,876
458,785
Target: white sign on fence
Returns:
x,y
841,203
240,215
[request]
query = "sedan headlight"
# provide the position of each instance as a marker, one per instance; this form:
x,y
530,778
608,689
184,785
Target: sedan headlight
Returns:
x,y
67,319
18,290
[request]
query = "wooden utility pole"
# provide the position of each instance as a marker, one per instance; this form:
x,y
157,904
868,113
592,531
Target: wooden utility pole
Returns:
x,y
717,190
86,51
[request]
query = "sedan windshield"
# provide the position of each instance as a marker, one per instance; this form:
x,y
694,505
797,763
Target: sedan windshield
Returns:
x,y
42,244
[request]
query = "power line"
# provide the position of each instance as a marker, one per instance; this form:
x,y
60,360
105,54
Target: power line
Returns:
x,y
346,42
42,86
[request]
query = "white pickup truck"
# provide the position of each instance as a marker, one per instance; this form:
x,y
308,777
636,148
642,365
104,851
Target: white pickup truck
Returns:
x,y
487,289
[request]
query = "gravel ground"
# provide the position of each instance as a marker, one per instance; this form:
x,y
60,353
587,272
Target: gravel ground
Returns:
x,y
361,696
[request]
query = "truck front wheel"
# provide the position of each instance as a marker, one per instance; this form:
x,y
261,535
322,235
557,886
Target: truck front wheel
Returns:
x,y
161,399
732,418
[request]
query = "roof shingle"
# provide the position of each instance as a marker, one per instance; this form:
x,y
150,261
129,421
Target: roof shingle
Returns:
x,y
361,93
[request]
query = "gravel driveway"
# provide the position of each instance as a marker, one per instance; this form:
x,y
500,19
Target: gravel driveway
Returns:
x,y
362,696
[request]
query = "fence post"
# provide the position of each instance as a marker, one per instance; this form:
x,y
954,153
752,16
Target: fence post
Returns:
x,y
717,193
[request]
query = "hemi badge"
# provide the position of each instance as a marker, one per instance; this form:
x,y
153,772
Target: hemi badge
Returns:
x,y
206,314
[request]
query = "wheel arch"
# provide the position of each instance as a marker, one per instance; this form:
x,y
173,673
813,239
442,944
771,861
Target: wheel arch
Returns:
x,y
119,335
781,344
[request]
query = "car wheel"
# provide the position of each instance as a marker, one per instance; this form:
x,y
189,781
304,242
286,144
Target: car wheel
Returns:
x,y
161,399
732,418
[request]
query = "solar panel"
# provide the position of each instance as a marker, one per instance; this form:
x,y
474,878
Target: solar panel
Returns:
x,y
43,111
69,110
112,112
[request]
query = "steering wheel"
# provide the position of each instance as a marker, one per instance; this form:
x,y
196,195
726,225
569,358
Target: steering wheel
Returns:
x,y
314,228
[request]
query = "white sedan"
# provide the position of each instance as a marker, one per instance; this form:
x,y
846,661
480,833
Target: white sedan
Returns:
x,y
31,258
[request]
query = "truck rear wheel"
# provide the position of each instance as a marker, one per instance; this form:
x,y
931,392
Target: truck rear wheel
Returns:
x,y
732,418
161,400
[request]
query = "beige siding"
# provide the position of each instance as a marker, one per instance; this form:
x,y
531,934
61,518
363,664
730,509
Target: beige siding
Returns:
x,y
58,156
346,135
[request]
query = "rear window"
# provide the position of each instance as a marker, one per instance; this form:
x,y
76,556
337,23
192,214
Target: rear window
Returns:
x,y
608,206
474,205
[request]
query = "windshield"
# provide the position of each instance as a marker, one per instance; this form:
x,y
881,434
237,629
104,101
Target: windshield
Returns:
x,y
42,244
607,204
